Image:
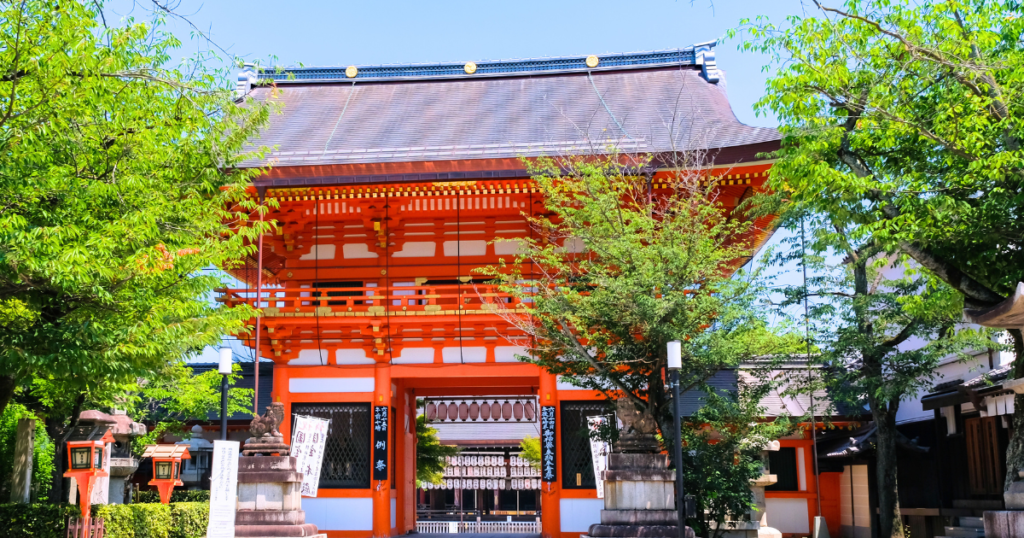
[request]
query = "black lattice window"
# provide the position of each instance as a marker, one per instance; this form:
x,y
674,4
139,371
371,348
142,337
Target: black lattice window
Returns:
x,y
577,464
347,452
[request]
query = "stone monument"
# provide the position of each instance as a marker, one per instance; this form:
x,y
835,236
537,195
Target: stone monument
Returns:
x,y
269,503
639,490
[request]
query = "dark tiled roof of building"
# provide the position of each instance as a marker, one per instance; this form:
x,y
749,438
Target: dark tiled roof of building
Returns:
x,y
663,107
248,381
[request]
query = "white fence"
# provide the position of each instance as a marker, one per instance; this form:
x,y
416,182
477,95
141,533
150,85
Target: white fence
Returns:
x,y
452,527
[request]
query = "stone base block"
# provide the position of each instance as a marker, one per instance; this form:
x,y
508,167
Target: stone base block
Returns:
x,y
639,495
1004,523
1013,498
276,531
269,496
270,517
637,531
639,517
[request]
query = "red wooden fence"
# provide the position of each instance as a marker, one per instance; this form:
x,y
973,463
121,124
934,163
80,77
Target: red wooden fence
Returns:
x,y
82,528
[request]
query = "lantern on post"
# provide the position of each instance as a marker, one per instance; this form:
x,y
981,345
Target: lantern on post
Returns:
x,y
166,467
86,459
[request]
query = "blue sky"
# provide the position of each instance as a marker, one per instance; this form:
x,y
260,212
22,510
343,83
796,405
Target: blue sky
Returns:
x,y
318,33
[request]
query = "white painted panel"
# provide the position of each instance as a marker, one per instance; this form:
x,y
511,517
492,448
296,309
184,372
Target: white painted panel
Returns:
x,y
320,252
416,249
415,355
352,356
579,514
311,357
508,247
330,384
355,251
457,355
573,245
787,515
465,248
347,514
394,508
508,353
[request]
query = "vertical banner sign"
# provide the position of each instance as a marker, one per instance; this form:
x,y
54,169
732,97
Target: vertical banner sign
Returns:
x,y
547,443
223,490
380,442
308,440
599,452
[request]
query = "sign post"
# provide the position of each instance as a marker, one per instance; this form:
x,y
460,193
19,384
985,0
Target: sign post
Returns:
x,y
380,442
223,490
547,444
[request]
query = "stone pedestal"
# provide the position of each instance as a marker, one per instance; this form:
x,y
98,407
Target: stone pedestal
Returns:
x,y
269,504
639,499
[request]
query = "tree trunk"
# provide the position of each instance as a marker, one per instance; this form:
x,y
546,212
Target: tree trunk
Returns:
x,y
890,524
1015,450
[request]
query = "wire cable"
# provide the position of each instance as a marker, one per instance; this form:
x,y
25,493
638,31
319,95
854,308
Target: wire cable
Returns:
x,y
316,273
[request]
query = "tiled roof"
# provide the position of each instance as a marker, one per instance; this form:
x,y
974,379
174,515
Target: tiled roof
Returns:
x,y
669,107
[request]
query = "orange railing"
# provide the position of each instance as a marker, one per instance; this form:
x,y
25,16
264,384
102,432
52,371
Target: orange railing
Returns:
x,y
393,300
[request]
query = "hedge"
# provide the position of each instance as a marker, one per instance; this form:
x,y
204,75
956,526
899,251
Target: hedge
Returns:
x,y
177,520
177,496
148,520
36,520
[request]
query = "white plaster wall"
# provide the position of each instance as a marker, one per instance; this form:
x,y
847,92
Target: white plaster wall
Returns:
x,y
466,354
787,515
355,251
320,252
416,249
508,353
330,384
579,514
352,356
394,516
465,248
415,355
351,514
508,247
309,357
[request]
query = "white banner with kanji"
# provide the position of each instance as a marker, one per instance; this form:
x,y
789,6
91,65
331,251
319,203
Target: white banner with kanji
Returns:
x,y
308,440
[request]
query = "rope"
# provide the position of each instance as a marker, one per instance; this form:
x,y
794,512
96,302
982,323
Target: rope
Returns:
x,y
619,125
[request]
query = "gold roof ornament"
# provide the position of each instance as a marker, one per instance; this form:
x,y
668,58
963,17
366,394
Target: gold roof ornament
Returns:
x,y
470,68
592,61
351,71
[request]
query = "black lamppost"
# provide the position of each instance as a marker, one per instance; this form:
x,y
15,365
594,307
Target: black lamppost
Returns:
x,y
675,362
224,369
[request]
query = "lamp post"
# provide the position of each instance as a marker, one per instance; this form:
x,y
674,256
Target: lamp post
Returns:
x,y
675,363
224,369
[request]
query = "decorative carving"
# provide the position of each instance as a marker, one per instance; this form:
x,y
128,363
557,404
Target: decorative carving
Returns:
x,y
266,437
639,429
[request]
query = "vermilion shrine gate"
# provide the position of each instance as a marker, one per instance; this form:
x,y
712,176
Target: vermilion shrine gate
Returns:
x,y
392,182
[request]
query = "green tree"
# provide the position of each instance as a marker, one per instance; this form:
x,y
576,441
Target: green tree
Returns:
x,y
430,453
531,452
176,395
117,189
902,121
724,441
42,453
611,275
881,328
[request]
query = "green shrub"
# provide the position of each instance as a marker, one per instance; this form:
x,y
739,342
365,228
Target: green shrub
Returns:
x,y
189,519
118,520
35,520
177,496
154,520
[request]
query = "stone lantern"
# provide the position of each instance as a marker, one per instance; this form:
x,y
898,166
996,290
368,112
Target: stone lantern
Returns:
x,y
166,467
87,458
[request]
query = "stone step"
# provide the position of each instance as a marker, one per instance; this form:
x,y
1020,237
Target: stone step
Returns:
x,y
964,532
971,521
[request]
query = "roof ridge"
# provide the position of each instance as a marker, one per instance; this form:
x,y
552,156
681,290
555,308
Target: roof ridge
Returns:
x,y
700,54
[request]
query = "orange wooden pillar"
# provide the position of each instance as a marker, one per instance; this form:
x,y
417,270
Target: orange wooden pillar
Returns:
x,y
382,488
550,492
